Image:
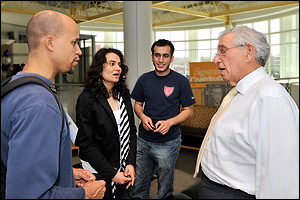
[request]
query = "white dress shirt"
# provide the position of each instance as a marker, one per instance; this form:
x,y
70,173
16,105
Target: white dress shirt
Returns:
x,y
254,145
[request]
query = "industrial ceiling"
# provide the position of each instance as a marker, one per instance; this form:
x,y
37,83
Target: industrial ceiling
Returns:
x,y
164,13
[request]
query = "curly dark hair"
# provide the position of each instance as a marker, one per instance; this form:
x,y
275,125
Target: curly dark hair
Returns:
x,y
94,80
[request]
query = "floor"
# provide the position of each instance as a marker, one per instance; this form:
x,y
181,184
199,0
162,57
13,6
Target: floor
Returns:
x,y
184,170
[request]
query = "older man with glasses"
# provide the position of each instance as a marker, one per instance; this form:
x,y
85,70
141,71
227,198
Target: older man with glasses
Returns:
x,y
251,149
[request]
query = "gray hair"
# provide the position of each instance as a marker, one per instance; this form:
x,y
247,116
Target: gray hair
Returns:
x,y
244,35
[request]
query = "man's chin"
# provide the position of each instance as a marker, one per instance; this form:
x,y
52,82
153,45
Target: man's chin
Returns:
x,y
161,70
71,70
224,78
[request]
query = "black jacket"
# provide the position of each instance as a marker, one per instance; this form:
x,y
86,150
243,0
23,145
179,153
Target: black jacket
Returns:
x,y
98,136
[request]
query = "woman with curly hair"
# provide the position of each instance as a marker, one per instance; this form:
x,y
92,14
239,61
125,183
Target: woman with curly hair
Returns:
x,y
106,130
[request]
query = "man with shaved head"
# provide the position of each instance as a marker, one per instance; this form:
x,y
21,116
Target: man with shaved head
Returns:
x,y
38,159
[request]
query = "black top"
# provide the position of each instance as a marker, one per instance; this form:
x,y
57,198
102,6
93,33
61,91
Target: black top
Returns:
x,y
163,96
98,136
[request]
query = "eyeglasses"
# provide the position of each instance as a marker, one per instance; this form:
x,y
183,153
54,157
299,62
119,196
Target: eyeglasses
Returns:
x,y
223,50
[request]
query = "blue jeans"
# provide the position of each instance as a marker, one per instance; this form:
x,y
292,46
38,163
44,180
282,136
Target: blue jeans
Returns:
x,y
151,155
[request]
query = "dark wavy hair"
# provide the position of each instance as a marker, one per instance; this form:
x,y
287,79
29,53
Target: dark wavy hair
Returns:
x,y
94,80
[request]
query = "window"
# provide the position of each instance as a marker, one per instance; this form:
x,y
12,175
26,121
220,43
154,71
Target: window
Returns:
x,y
106,39
283,36
200,45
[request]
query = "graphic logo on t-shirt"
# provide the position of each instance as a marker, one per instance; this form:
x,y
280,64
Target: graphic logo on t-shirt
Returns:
x,y
168,90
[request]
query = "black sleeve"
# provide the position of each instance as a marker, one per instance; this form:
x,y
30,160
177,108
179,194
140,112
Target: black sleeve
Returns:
x,y
88,150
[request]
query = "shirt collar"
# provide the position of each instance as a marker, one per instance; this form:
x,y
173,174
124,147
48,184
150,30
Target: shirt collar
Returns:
x,y
23,74
245,83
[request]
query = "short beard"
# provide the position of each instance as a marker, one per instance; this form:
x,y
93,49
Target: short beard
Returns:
x,y
71,71
161,71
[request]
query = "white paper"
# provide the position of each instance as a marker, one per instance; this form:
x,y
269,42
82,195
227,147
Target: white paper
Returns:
x,y
72,127
87,166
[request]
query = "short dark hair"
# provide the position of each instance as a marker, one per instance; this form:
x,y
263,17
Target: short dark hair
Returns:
x,y
161,43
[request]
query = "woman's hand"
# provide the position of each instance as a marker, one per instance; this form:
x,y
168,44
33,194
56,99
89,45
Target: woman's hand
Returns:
x,y
121,178
129,172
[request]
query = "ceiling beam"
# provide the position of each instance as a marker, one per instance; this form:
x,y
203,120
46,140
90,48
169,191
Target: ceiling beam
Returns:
x,y
18,10
185,11
107,14
159,2
176,21
254,6
175,9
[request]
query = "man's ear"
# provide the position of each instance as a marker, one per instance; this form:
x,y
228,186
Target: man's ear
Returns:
x,y
172,59
49,42
250,52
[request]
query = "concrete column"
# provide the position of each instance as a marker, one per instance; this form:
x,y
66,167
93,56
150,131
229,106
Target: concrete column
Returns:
x,y
229,26
137,19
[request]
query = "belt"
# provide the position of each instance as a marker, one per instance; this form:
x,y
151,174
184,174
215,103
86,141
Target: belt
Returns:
x,y
225,188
